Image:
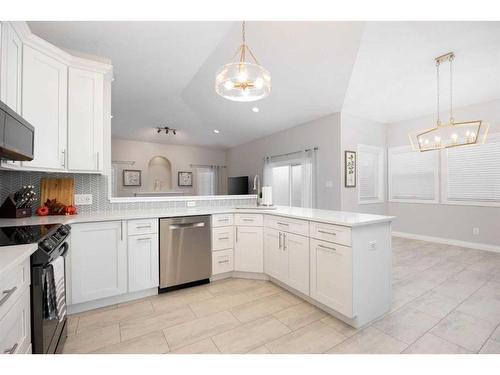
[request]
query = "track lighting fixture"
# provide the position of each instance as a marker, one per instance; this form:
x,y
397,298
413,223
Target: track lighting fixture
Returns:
x,y
166,129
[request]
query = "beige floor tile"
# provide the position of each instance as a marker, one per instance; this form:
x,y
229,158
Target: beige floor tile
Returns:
x,y
72,325
140,326
174,300
205,346
259,308
152,343
299,315
406,324
199,329
370,341
293,299
89,341
482,307
400,298
263,290
260,350
430,344
435,304
219,303
412,286
314,338
458,289
340,326
232,286
465,330
102,318
250,335
491,347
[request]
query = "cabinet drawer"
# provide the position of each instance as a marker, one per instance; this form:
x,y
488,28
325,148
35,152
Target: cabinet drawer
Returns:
x,y
222,261
222,238
256,220
331,233
12,284
142,226
15,326
222,220
287,225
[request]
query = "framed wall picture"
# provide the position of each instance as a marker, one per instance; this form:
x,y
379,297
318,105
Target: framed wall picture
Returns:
x,y
131,177
350,169
185,178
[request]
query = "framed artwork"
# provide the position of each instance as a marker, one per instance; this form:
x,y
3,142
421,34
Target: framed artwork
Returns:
x,y
350,169
185,178
131,177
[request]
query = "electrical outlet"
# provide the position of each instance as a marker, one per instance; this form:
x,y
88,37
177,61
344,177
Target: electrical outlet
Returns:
x,y
372,245
191,203
83,199
475,231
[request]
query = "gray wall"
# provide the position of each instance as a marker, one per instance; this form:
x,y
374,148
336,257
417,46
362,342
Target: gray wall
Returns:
x,y
354,131
440,220
248,158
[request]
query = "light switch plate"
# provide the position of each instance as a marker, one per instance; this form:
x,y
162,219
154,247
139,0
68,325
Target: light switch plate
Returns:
x,y
83,199
191,203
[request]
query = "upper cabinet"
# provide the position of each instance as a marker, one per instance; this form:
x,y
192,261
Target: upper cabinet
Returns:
x,y
45,88
11,63
85,120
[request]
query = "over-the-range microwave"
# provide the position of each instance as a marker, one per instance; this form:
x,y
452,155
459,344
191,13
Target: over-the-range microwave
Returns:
x,y
16,135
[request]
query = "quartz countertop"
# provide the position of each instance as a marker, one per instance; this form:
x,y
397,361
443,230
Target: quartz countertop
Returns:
x,y
11,256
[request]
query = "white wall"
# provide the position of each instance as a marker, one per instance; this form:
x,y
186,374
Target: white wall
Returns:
x,y
354,131
179,156
447,221
248,159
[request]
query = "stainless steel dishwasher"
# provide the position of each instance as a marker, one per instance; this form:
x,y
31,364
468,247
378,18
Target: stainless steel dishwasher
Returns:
x,y
185,252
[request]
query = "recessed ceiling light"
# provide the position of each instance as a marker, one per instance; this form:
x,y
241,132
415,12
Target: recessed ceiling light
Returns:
x,y
216,131
255,109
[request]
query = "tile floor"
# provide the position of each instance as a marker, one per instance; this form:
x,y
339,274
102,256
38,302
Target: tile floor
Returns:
x,y
446,300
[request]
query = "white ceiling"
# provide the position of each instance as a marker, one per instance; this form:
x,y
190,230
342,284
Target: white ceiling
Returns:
x,y
383,71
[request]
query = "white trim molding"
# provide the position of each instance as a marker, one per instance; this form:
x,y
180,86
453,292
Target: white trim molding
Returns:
x,y
448,241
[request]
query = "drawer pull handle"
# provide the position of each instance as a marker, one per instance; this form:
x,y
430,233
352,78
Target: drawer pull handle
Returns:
x,y
224,261
226,219
247,219
285,224
325,232
326,247
144,239
7,294
11,350
223,238
142,226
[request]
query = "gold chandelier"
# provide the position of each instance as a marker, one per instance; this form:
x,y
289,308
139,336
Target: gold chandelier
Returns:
x,y
242,80
451,134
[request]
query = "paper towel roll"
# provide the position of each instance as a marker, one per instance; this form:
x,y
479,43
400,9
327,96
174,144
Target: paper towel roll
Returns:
x,y
267,196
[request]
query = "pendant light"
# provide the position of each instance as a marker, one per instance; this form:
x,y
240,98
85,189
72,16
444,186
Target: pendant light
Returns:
x,y
451,134
243,80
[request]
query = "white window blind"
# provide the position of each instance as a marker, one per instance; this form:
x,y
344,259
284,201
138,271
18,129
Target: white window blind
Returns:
x,y
472,174
413,176
370,174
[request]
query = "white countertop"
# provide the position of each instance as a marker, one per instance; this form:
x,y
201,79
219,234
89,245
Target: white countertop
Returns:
x,y
11,256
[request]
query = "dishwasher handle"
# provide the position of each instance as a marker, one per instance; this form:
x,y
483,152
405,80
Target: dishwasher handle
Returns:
x,y
187,225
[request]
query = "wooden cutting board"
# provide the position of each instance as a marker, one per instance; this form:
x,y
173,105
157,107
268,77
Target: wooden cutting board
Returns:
x,y
61,189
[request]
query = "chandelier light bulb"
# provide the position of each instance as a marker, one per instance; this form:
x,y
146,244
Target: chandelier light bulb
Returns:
x,y
229,85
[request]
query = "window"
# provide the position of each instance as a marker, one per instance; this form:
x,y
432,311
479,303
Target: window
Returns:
x,y
370,174
413,176
471,175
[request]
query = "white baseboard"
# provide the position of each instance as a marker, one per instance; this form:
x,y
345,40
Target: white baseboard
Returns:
x,y
448,241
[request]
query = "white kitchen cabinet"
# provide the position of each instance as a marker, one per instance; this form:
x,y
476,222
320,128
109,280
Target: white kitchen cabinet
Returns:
x,y
85,120
98,260
11,65
143,262
275,257
331,276
296,248
44,105
249,249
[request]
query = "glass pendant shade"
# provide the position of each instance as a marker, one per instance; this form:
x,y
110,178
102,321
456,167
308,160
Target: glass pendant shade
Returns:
x,y
243,82
450,135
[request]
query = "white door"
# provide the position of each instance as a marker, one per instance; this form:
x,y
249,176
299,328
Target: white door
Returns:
x,y
275,255
331,276
249,249
98,260
297,250
85,120
44,105
143,262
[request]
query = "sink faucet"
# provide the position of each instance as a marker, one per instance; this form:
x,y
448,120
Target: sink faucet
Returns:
x,y
256,186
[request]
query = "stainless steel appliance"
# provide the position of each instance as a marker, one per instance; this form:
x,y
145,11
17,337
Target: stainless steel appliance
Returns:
x,y
185,252
48,282
16,135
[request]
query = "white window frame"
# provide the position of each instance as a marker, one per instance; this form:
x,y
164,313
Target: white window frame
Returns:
x,y
401,149
444,180
381,170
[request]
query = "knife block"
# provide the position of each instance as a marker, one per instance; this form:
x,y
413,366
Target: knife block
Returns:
x,y
9,210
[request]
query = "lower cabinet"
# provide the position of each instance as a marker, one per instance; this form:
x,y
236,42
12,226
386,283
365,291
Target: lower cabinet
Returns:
x,y
249,249
331,276
275,256
98,260
143,262
222,261
15,327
